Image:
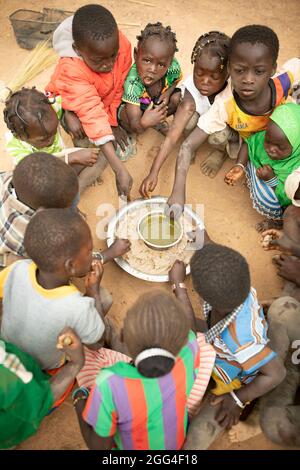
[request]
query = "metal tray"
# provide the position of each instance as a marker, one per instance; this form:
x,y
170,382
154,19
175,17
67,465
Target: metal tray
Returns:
x,y
135,205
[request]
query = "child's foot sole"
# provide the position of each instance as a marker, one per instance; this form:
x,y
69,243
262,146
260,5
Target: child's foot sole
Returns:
x,y
214,162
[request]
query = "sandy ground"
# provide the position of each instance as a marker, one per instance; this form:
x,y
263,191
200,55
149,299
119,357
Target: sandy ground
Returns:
x,y
229,216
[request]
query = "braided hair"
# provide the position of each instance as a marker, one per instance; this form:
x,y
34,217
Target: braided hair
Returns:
x,y
164,33
21,107
218,44
156,320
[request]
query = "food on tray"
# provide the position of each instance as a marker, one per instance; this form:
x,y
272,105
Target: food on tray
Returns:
x,y
146,259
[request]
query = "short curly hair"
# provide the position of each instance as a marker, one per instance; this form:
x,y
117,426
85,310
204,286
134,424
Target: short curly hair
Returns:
x,y
54,235
256,34
220,276
162,32
94,22
42,180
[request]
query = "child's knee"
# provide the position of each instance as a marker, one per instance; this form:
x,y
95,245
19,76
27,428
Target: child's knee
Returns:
x,y
280,426
292,212
220,138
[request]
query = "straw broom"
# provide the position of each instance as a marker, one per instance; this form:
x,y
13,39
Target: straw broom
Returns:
x,y
39,59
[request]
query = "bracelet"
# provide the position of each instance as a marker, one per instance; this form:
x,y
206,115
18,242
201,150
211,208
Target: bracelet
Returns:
x,y
237,400
79,399
80,389
272,182
241,165
99,256
181,285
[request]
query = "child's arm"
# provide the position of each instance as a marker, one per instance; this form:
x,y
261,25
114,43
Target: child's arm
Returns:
x,y
92,285
237,171
118,248
136,121
177,199
183,114
177,276
91,438
81,97
66,375
123,177
270,375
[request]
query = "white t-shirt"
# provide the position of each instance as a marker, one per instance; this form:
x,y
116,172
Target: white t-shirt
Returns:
x,y
202,102
33,316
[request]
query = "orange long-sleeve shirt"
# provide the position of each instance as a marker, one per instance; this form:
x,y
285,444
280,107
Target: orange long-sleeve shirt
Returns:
x,y
93,96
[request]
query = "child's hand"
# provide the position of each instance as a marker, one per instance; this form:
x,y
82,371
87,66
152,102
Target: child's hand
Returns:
x,y
74,125
148,185
228,412
273,239
118,248
124,182
86,157
121,137
265,173
93,279
153,116
165,97
177,273
175,206
70,344
233,175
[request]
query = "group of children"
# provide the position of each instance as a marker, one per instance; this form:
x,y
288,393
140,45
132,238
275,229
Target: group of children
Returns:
x,y
164,355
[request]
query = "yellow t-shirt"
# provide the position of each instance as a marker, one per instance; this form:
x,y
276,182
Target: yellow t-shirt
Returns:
x,y
226,109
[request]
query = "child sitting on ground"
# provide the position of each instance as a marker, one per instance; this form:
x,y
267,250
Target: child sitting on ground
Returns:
x,y
245,367
143,405
39,180
150,93
248,104
33,123
268,158
199,90
59,243
95,60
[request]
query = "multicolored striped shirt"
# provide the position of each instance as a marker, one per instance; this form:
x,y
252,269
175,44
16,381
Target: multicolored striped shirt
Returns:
x,y
135,91
19,149
144,413
242,347
227,108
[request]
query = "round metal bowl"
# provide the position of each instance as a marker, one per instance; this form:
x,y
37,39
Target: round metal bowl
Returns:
x,y
160,202
156,246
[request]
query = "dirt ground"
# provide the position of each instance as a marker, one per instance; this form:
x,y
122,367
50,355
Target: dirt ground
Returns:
x,y
229,216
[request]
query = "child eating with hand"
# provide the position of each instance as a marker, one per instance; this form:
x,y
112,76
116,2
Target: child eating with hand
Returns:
x,y
59,243
245,367
95,58
209,57
247,103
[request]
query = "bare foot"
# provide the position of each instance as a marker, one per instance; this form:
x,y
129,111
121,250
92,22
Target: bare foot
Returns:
x,y
163,128
267,224
213,163
153,152
246,429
